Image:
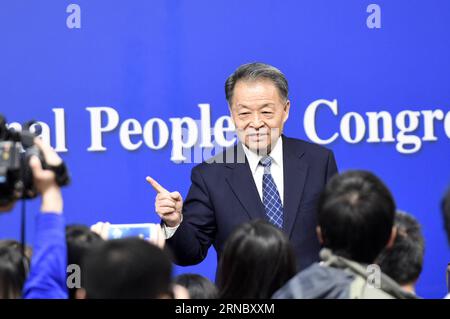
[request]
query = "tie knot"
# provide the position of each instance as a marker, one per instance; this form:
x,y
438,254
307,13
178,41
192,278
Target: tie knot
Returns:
x,y
266,161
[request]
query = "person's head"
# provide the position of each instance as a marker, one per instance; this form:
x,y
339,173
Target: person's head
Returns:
x,y
125,268
257,260
356,216
199,287
14,267
403,261
446,213
80,239
257,95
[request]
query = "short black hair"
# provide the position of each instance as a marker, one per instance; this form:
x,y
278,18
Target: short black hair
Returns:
x,y
126,268
253,72
199,287
404,260
257,260
80,239
14,268
356,215
446,212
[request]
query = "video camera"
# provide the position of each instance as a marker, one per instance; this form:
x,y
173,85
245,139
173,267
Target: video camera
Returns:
x,y
16,176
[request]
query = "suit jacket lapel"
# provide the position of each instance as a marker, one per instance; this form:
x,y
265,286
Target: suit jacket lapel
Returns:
x,y
295,172
243,186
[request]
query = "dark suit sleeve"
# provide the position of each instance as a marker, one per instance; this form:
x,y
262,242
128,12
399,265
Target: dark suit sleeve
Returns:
x,y
331,167
191,241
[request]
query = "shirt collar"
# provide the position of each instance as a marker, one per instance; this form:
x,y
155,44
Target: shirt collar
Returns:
x,y
276,154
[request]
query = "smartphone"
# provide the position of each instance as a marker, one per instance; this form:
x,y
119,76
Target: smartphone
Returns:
x,y
144,231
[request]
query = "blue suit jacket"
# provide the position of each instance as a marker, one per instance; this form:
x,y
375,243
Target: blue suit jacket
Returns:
x,y
224,195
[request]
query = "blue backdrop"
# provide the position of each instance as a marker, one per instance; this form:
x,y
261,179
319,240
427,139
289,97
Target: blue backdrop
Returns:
x,y
161,58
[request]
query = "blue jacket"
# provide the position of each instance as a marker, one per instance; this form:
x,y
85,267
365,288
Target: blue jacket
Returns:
x,y
47,277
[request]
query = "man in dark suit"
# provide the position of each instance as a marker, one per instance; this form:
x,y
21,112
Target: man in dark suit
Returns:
x,y
266,175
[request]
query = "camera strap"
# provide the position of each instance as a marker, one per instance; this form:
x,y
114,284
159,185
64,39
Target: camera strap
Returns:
x,y
23,227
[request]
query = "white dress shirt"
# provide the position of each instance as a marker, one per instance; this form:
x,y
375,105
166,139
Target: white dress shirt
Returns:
x,y
257,170
276,169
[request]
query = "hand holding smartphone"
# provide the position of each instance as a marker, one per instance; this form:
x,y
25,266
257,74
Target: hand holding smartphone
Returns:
x,y
147,231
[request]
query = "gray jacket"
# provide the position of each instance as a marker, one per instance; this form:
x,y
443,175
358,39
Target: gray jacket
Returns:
x,y
339,278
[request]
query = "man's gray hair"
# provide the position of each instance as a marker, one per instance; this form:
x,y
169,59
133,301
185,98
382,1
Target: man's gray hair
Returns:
x,y
254,72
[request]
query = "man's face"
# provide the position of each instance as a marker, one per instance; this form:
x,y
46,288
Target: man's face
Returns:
x,y
259,113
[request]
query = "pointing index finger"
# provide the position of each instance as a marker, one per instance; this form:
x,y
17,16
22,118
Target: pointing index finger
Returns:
x,y
156,186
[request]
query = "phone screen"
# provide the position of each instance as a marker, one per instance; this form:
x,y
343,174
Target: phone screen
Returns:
x,y
143,231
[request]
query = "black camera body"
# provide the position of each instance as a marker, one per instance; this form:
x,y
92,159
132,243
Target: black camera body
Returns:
x,y
16,176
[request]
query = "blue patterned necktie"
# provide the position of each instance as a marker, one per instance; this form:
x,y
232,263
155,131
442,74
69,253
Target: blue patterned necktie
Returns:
x,y
271,197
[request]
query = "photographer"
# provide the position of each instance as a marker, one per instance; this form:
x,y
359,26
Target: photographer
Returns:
x,y
47,278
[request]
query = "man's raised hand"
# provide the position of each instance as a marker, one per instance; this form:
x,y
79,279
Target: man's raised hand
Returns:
x,y
168,205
